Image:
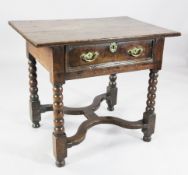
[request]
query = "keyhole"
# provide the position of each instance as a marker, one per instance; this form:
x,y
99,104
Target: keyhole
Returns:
x,y
113,47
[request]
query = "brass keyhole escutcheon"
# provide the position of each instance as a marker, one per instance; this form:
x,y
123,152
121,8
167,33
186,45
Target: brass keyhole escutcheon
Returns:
x,y
113,47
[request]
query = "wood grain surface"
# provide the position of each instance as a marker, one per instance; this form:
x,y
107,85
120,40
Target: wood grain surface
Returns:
x,y
105,55
56,32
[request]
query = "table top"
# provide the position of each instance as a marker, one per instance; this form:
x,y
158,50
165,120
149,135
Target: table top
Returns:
x,y
56,32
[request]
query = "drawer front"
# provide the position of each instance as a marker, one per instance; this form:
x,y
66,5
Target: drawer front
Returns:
x,y
96,54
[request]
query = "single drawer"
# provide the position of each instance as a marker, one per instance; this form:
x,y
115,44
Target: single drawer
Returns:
x,y
96,54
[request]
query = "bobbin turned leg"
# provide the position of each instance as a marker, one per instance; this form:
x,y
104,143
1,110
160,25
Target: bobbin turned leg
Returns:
x,y
112,92
34,102
59,137
149,115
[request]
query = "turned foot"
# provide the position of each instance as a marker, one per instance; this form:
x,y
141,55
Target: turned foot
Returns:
x,y
36,125
110,108
60,164
111,98
147,138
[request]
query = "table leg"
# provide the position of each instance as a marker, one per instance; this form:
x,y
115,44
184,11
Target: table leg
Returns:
x,y
149,115
59,137
112,92
34,102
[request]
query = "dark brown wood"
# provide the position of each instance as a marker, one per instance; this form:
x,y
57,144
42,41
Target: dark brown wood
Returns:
x,y
57,74
34,102
105,55
158,47
151,58
78,111
59,136
149,114
46,108
53,60
112,92
92,120
82,130
109,68
58,46
57,32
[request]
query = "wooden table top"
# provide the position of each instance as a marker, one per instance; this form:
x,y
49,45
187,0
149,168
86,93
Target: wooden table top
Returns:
x,y
56,32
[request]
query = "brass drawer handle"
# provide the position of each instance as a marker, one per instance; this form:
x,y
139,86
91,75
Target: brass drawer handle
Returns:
x,y
135,51
89,56
113,47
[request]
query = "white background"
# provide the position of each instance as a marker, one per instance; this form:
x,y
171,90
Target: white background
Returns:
x,y
107,149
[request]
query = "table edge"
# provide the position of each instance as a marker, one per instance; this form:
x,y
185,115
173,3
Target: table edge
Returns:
x,y
153,36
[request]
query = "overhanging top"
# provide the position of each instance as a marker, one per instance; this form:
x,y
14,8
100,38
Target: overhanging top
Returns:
x,y
56,32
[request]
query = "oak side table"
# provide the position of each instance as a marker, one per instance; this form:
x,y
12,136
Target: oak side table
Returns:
x,y
72,49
